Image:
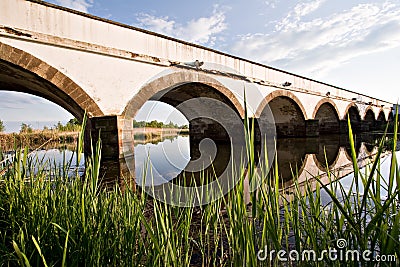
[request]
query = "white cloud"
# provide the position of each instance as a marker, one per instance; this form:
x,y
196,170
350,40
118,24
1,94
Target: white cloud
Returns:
x,y
271,3
80,5
299,11
202,30
319,44
16,100
303,9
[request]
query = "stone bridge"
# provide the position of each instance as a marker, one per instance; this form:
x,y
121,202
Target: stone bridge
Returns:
x,y
86,63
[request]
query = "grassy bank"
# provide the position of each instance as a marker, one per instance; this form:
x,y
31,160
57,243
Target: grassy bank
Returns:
x,y
9,141
73,222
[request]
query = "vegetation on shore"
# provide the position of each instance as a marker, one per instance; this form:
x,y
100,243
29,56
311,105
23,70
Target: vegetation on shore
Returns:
x,y
28,137
157,124
2,127
71,221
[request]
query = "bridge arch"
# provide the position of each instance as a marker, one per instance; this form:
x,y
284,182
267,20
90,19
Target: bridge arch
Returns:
x,y
381,120
369,118
288,111
182,89
23,72
390,117
160,89
353,111
381,116
327,114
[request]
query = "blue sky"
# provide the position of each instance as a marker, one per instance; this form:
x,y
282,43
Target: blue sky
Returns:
x,y
352,44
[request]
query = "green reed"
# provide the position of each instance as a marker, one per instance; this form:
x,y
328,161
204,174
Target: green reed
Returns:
x,y
48,218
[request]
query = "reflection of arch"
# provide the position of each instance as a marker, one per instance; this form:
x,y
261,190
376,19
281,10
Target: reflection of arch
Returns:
x,y
22,72
288,113
292,155
174,80
288,181
348,150
326,113
278,93
321,166
327,152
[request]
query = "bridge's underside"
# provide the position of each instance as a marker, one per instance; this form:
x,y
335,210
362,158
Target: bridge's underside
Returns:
x,y
14,78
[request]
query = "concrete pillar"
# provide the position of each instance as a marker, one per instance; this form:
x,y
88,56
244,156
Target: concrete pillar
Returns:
x,y
365,126
312,128
344,129
116,134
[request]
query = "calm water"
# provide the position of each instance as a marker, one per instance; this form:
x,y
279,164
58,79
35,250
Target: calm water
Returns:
x,y
308,156
53,160
170,158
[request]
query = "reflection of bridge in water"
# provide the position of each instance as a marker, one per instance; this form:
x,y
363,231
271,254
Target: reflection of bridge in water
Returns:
x,y
313,157
305,157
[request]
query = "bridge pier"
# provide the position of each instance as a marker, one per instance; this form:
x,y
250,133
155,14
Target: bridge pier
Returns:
x,y
116,134
312,128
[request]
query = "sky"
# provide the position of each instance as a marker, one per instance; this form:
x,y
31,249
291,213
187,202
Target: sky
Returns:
x,y
351,44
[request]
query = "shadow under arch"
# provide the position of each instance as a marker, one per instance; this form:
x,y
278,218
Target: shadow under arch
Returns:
x,y
381,116
381,120
23,72
369,118
353,113
390,117
288,112
327,114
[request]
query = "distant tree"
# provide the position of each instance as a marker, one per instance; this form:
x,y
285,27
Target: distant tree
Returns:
x,y
2,127
156,124
25,128
139,124
71,126
59,126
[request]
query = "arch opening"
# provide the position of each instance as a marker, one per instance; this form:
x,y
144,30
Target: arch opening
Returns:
x,y
288,116
369,119
328,119
381,121
212,116
355,119
391,117
23,72
17,79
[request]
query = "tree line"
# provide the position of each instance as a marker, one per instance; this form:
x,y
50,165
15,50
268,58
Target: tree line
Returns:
x,y
72,125
157,124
